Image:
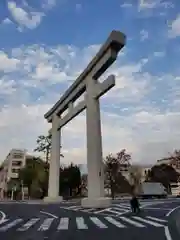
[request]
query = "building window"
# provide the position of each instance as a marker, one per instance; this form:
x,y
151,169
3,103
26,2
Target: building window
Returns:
x,y
15,170
18,155
16,163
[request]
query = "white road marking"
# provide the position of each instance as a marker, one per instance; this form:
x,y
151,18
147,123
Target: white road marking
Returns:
x,y
98,222
64,224
121,206
151,208
172,210
125,219
117,213
3,219
103,210
156,219
72,207
167,233
148,221
11,224
46,224
77,209
80,223
88,210
115,222
49,214
29,224
120,210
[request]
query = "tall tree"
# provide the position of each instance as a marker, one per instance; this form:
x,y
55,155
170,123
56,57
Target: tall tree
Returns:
x,y
164,174
124,158
44,145
114,165
35,176
70,180
28,174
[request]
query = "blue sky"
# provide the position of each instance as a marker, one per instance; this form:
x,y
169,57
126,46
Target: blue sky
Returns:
x,y
46,44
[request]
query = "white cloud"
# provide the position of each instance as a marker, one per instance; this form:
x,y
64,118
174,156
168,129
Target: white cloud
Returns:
x,y
47,4
159,54
23,18
129,120
144,35
148,4
7,64
175,28
153,4
6,21
7,86
126,5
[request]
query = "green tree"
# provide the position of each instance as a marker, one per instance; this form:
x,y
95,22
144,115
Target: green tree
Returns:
x,y
13,185
70,180
28,174
44,145
35,176
114,165
164,174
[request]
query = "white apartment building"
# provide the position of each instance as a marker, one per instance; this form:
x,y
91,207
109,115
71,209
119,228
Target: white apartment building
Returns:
x,y
15,160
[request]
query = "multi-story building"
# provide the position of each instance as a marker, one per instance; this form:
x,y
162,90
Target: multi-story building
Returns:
x,y
15,160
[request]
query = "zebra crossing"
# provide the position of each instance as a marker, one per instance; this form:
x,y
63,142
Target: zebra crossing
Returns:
x,y
116,209
80,223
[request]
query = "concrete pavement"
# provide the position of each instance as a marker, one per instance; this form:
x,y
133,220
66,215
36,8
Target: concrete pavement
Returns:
x,y
38,221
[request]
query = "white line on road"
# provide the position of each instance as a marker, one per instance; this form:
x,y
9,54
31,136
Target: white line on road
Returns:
x,y
103,210
11,224
172,210
117,213
29,224
49,214
151,208
80,223
120,210
114,222
64,224
167,233
98,222
46,224
121,206
77,209
88,210
3,219
132,222
156,219
148,221
72,207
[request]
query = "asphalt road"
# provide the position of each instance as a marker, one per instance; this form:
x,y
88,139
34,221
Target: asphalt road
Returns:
x,y
68,220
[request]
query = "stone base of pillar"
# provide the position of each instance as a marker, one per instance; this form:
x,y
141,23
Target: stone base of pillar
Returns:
x,y
103,202
53,199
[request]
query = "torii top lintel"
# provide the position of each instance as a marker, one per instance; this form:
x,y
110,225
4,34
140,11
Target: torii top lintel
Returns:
x,y
114,44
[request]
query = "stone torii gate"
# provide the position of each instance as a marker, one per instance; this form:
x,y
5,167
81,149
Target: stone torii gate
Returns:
x,y
86,83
